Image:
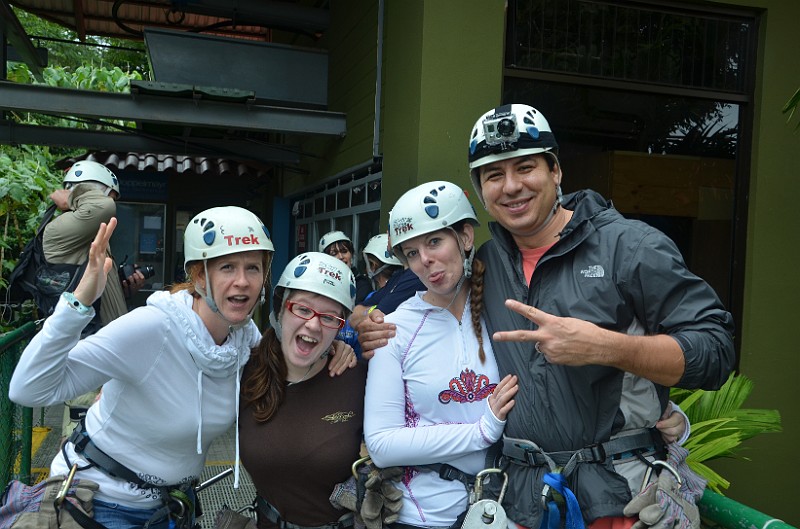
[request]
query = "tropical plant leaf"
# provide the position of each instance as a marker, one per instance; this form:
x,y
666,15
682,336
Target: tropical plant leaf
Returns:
x,y
715,481
720,424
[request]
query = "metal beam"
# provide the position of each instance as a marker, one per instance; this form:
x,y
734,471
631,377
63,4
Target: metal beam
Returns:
x,y
17,37
15,134
189,112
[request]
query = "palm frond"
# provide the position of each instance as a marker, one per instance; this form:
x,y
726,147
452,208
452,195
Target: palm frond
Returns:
x,y
720,424
715,482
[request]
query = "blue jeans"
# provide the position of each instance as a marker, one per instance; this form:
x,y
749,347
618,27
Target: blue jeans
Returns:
x,y
116,516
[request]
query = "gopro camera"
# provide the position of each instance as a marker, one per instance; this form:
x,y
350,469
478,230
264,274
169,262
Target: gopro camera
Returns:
x,y
500,128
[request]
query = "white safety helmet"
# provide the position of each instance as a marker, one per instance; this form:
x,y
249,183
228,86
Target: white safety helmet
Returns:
x,y
222,231
378,247
332,237
508,131
427,208
88,171
318,273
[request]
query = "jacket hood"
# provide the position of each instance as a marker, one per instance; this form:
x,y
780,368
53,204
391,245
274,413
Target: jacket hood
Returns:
x,y
212,359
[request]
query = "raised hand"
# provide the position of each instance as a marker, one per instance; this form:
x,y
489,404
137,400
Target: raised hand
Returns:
x,y
567,341
98,265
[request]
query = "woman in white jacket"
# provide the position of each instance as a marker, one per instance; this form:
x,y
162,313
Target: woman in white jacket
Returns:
x,y
434,395
170,370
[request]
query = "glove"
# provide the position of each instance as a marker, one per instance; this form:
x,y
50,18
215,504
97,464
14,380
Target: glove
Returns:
x,y
345,496
692,485
382,500
661,506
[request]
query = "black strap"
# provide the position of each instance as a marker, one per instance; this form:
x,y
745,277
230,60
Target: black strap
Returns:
x,y
522,451
48,215
450,473
271,513
79,516
85,447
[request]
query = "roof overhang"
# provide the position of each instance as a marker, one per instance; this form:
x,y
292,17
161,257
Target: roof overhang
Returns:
x,y
192,111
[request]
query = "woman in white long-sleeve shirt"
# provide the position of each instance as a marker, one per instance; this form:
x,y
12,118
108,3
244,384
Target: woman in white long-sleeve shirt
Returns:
x,y
434,395
169,371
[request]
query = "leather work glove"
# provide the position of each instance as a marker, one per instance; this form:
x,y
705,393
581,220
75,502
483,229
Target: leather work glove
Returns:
x,y
692,485
345,496
382,500
84,491
661,506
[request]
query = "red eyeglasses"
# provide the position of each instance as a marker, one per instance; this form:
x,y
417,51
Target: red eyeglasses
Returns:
x,y
331,321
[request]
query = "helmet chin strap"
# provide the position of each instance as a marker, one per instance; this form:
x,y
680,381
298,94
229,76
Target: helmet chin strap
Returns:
x,y
209,299
372,275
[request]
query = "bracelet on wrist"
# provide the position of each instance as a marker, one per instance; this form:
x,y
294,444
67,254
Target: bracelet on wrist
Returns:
x,y
76,304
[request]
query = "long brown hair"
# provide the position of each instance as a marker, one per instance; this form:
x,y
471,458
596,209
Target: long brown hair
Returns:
x,y
264,383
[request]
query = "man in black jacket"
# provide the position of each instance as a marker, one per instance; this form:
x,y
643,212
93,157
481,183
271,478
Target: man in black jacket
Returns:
x,y
604,318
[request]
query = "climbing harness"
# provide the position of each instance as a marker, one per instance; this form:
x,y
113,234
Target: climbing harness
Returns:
x,y
560,465
180,504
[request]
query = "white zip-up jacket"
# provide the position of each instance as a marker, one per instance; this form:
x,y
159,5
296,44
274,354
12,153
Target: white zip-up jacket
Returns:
x,y
168,390
427,402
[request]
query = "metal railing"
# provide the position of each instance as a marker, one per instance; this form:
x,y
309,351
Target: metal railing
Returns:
x,y
726,513
16,422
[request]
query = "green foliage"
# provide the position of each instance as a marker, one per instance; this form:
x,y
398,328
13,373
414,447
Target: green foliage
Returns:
x,y
720,424
791,107
28,173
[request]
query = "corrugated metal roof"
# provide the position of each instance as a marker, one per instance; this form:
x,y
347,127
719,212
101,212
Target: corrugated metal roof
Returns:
x,y
96,17
169,163
250,19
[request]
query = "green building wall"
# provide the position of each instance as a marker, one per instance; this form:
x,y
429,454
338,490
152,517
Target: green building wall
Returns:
x,y
769,354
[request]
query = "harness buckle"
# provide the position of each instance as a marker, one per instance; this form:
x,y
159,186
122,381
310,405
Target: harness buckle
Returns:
x,y
449,473
79,439
598,453
534,458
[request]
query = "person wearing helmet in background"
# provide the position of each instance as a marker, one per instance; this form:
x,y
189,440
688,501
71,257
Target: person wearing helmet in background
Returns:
x,y
88,198
397,286
597,314
382,267
170,370
339,245
380,261
432,408
313,423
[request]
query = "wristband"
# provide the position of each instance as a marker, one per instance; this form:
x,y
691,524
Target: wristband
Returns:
x,y
371,309
76,304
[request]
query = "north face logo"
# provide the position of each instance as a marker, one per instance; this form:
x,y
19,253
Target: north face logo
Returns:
x,y
593,271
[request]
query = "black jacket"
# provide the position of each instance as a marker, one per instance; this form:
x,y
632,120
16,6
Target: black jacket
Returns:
x,y
622,275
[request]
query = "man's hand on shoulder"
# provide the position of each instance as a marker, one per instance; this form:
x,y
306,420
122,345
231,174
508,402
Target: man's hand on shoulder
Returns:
x,y
373,333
